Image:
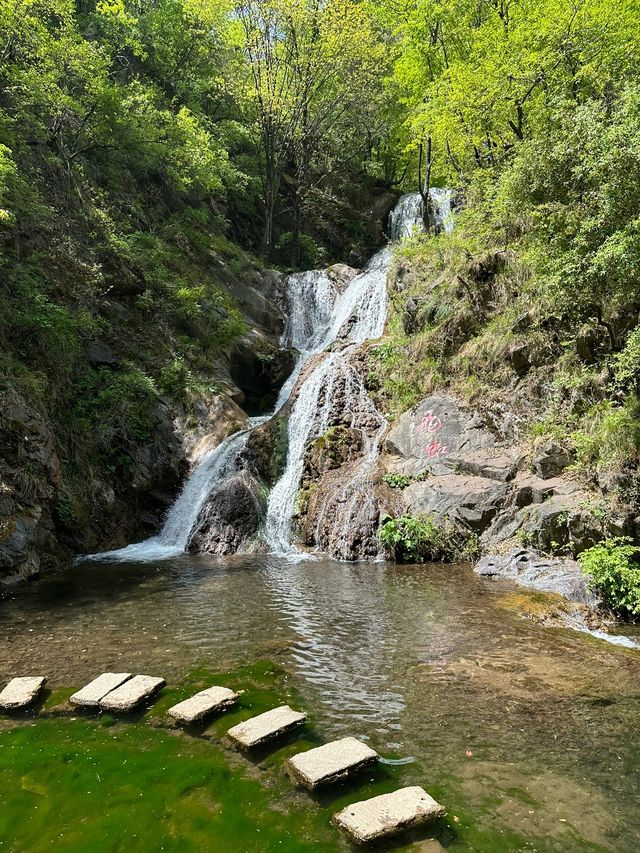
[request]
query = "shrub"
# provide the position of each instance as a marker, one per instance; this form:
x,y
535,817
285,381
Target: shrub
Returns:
x,y
626,366
613,567
397,481
415,539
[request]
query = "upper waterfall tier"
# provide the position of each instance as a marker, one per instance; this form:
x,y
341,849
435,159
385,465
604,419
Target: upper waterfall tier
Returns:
x,y
318,313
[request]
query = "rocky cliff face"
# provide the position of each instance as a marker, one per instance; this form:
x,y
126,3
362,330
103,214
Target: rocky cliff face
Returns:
x,y
451,462
46,517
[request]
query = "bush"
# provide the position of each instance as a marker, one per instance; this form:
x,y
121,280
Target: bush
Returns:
x,y
626,365
416,539
613,567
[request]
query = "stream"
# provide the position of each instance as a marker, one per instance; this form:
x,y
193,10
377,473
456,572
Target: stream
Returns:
x,y
428,663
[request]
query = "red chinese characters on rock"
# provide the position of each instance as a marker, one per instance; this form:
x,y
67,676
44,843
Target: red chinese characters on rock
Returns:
x,y
432,425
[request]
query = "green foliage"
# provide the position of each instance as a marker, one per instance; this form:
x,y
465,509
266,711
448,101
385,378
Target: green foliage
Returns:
x,y
610,435
416,539
626,365
613,567
397,481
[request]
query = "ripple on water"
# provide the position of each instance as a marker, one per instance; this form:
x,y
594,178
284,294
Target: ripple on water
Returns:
x,y
421,661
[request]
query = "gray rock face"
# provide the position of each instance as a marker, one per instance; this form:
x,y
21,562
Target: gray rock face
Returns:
x,y
230,519
459,469
473,501
552,574
435,429
551,460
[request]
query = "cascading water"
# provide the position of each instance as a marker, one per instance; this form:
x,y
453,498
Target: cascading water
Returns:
x,y
319,318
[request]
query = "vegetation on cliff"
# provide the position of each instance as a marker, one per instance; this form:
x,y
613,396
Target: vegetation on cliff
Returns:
x,y
158,155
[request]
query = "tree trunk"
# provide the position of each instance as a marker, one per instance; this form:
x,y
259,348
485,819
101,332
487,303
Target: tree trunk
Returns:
x,y
425,185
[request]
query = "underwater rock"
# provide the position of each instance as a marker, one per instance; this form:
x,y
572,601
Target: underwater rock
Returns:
x,y
548,574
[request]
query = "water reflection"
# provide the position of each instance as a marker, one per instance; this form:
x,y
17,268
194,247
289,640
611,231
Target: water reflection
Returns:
x,y
423,661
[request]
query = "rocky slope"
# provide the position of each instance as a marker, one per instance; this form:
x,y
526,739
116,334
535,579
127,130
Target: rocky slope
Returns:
x,y
43,521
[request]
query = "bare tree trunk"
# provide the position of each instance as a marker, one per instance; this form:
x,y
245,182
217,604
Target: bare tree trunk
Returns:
x,y
424,186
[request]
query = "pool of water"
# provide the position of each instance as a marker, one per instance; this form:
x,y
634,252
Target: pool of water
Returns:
x,y
532,731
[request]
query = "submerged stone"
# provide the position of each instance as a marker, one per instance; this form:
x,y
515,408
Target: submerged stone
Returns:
x,y
21,692
132,693
331,762
264,727
385,815
90,696
202,704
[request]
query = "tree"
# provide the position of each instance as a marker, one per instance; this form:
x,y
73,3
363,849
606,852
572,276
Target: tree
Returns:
x,y
312,64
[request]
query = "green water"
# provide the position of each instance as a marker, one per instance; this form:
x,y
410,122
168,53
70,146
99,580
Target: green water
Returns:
x,y
529,736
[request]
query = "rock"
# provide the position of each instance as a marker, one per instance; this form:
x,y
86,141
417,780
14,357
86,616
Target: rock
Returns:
x,y
230,519
548,574
550,460
203,704
437,427
331,762
499,464
260,374
472,501
409,316
519,356
100,354
266,450
272,724
387,814
132,693
342,275
590,340
90,696
21,692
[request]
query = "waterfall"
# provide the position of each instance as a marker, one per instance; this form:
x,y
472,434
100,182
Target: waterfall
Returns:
x,y
325,326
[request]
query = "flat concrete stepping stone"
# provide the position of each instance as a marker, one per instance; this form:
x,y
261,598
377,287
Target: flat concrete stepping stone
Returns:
x,y
21,692
90,696
378,817
326,764
202,704
266,726
132,693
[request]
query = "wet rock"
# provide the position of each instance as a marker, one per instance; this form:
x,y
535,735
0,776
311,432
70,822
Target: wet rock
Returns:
x,y
159,466
266,450
549,574
342,275
230,519
260,375
550,460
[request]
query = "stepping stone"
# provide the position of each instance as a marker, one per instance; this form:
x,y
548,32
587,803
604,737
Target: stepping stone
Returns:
x,y
21,692
378,817
90,696
267,726
202,704
132,693
331,762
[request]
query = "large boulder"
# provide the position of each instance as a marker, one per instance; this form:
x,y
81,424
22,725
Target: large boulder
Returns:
x,y
548,574
472,501
230,519
435,429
